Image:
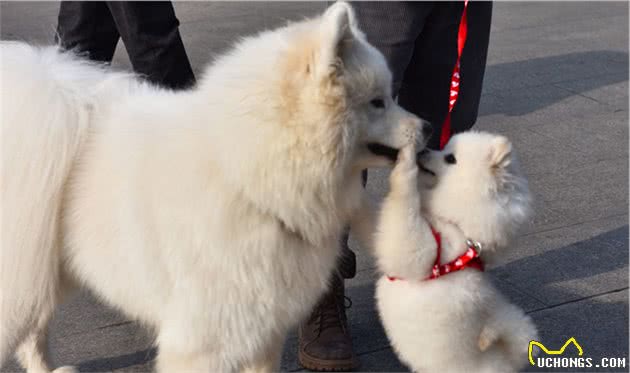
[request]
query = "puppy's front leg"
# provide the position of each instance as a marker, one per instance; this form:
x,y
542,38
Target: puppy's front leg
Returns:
x,y
404,244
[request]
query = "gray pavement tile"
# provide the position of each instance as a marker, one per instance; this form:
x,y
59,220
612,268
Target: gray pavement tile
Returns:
x,y
546,101
597,130
604,174
525,31
599,324
264,14
576,197
610,94
552,238
593,68
511,17
567,272
383,360
34,22
520,298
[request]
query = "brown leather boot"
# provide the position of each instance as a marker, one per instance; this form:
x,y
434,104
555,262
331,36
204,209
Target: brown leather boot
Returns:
x,y
324,338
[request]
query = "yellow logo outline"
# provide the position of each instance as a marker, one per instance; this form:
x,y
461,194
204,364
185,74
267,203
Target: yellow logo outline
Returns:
x,y
552,352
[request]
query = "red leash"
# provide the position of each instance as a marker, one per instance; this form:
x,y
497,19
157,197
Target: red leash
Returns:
x,y
455,79
470,259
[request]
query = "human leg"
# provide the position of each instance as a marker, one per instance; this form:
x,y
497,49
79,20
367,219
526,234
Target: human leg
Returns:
x,y
87,27
150,31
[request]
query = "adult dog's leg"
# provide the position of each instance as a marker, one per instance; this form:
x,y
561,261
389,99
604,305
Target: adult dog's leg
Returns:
x,y
171,359
181,348
32,353
269,361
47,123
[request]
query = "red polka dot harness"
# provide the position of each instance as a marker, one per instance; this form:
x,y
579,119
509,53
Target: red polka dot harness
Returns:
x,y
470,259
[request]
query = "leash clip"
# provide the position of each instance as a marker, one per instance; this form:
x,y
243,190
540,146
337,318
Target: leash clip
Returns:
x,y
475,244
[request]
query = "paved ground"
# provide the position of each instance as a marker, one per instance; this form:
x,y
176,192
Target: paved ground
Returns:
x,y
556,84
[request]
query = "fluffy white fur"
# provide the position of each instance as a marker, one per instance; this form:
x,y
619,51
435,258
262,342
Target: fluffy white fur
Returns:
x,y
458,322
211,215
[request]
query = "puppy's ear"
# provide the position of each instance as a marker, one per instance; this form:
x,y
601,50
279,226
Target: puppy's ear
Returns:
x,y
500,153
336,33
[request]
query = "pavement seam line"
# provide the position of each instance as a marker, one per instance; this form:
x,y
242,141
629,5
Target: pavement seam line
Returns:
x,y
570,22
115,325
578,93
575,224
578,300
497,92
557,141
595,163
523,292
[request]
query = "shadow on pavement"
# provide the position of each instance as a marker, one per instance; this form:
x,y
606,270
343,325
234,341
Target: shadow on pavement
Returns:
x,y
509,87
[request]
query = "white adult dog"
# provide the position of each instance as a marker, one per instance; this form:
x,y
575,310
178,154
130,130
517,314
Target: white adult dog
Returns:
x,y
211,215
455,204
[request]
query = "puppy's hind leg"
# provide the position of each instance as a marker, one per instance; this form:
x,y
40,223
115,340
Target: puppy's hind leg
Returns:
x,y
510,328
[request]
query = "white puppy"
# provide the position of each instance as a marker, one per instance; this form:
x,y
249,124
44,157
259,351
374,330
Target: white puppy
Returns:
x,y
468,199
212,215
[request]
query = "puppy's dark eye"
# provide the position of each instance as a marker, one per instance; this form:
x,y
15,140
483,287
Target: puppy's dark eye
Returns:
x,y
450,159
378,103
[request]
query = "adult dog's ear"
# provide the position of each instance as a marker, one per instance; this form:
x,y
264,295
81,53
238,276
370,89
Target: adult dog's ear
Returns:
x,y
500,153
336,34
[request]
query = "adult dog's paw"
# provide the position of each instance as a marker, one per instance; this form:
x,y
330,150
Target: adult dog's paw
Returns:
x,y
66,369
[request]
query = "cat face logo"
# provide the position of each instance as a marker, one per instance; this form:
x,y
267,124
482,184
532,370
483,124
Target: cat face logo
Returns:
x,y
552,352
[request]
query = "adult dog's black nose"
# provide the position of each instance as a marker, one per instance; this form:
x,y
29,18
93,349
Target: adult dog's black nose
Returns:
x,y
421,154
427,128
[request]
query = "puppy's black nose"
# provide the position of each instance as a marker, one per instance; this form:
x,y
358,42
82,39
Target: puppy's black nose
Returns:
x,y
427,129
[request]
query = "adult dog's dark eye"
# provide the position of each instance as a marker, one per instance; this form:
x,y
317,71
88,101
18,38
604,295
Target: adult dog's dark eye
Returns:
x,y
378,103
450,159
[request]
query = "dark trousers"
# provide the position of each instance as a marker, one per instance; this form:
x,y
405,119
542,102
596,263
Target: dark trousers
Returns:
x,y
149,31
419,42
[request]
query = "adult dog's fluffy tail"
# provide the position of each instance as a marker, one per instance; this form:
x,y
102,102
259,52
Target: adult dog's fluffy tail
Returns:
x,y
45,118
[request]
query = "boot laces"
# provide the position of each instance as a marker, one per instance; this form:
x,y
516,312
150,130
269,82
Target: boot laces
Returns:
x,y
331,313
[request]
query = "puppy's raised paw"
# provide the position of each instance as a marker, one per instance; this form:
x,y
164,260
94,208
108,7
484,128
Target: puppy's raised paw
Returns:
x,y
405,173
